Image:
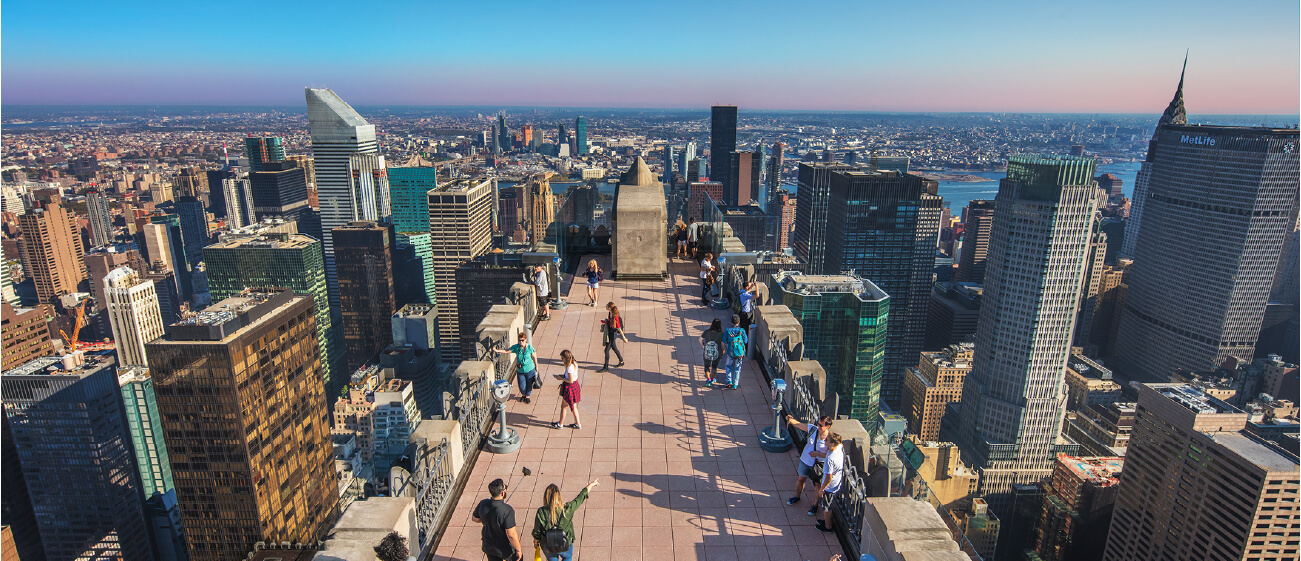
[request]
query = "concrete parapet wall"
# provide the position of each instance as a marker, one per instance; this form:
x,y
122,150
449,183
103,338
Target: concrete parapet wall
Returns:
x,y
903,529
525,296
502,323
777,325
857,442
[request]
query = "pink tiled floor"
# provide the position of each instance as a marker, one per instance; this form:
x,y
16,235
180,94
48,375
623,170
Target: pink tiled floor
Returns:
x,y
680,469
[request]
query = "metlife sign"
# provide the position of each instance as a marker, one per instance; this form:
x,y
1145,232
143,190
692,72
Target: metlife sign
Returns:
x,y
1198,140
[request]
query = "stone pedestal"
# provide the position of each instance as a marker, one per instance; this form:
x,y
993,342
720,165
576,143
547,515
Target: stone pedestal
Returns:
x,y
641,224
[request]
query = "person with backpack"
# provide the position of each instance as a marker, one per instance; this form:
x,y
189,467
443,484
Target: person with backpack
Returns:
x,y
747,296
613,326
682,241
706,269
815,449
500,536
527,371
594,278
553,527
543,285
693,237
709,287
833,472
570,391
735,339
712,341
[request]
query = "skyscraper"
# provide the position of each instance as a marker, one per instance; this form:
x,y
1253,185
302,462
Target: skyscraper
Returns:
x,y
977,221
75,450
217,191
1014,398
146,426
194,227
743,178
294,261
1091,289
774,176
1218,201
884,226
580,134
351,182
668,164
482,283
809,239
684,158
722,142
101,219
541,209
279,191
263,149
252,460
133,313
1196,485
26,334
409,188
844,319
1175,115
191,183
52,242
166,229
363,256
237,195
460,224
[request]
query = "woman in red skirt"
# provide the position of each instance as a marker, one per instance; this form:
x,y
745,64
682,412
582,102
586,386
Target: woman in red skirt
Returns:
x,y
570,391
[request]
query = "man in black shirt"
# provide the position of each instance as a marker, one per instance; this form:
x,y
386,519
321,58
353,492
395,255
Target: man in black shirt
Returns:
x,y
500,536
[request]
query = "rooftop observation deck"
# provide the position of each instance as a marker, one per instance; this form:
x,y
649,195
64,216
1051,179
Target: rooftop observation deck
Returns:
x,y
680,469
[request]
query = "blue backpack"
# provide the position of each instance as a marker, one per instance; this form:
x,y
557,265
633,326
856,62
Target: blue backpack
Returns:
x,y
735,342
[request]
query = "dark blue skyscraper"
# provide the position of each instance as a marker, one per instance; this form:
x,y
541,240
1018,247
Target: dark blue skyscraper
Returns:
x,y
883,226
194,227
722,142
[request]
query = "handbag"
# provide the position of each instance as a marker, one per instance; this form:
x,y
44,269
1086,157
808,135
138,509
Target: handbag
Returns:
x,y
537,382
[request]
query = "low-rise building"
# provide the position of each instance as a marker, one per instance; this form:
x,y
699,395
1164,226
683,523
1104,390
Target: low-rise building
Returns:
x,y
932,385
1077,506
380,410
1089,383
1102,430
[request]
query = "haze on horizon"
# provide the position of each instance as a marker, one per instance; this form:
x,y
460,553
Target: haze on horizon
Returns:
x,y
1109,57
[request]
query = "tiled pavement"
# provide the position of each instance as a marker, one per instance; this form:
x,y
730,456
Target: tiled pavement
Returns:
x,y
680,469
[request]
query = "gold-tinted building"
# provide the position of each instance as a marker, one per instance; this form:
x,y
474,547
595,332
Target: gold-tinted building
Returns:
x,y
244,412
1197,485
932,385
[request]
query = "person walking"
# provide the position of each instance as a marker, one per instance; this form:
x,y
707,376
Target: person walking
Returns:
x,y
735,339
594,278
833,472
543,285
500,536
706,269
747,296
815,449
682,241
527,372
613,326
570,391
693,238
708,287
555,514
712,341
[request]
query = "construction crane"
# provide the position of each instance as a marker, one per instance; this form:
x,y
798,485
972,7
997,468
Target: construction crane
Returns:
x,y
71,342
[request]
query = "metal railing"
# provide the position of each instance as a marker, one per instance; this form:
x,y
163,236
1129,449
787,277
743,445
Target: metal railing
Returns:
x,y
474,409
774,361
848,505
434,483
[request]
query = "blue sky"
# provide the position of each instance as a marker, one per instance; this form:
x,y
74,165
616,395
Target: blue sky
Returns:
x,y
1103,56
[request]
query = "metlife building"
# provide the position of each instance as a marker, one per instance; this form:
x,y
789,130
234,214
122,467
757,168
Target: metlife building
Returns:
x,y
1216,205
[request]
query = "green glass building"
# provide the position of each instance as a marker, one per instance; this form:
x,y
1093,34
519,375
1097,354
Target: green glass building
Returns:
x,y
844,321
408,193
293,261
146,425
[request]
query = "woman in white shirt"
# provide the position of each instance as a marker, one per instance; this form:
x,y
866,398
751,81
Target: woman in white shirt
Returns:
x,y
570,391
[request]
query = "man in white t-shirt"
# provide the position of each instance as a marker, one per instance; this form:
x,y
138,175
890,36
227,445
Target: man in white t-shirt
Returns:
x,y
693,237
815,449
833,472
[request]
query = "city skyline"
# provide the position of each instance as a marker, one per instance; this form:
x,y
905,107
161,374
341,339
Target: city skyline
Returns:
x,y
956,60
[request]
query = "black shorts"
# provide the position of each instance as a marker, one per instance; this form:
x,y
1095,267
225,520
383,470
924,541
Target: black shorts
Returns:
x,y
691,245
